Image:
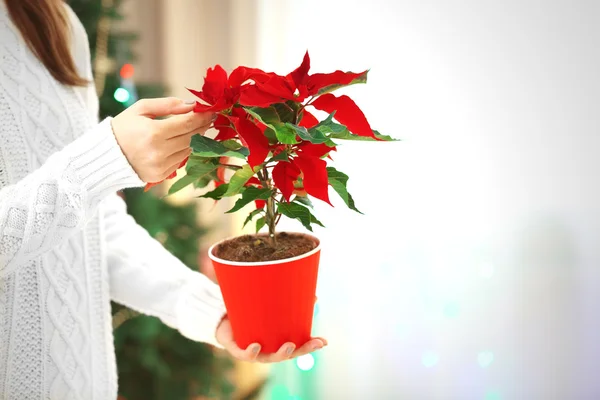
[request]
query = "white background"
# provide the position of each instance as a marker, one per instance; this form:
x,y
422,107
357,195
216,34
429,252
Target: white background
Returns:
x,y
474,272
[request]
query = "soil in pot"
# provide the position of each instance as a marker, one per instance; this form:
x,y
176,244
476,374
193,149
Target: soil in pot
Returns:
x,y
254,248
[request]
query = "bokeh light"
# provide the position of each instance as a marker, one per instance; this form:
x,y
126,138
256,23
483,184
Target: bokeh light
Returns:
x,y
127,71
280,392
429,359
493,395
451,309
305,362
485,359
122,95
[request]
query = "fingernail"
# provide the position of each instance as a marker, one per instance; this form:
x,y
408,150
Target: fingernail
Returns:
x,y
214,118
255,349
289,350
190,102
316,347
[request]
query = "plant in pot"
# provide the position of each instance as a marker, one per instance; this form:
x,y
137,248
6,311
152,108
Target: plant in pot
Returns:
x,y
263,119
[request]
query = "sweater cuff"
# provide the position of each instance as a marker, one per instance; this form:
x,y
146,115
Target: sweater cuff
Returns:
x,y
200,310
99,163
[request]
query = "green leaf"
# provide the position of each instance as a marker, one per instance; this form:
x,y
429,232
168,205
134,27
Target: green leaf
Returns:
x,y
317,133
333,130
346,135
181,183
196,159
288,111
286,134
384,138
201,170
217,193
270,118
232,144
266,115
310,135
360,79
207,147
260,223
271,135
283,156
238,180
328,126
299,212
205,180
338,181
250,194
252,215
305,201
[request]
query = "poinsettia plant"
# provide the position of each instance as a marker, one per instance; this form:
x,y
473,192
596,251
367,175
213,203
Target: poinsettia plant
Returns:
x,y
263,119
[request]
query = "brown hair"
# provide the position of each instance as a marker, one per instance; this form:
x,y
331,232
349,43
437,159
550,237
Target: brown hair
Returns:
x,y
44,25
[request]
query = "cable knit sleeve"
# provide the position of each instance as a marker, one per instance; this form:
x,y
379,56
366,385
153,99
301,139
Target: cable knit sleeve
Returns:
x,y
55,201
39,212
145,277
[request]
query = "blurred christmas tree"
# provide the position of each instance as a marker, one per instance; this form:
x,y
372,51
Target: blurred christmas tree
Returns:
x,y
154,361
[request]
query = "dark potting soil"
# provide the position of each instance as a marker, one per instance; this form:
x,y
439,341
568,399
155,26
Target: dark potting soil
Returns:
x,y
253,248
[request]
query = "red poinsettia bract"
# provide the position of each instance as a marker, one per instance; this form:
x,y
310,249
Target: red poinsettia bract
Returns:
x,y
276,149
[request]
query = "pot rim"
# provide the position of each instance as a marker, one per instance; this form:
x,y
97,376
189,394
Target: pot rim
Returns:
x,y
262,263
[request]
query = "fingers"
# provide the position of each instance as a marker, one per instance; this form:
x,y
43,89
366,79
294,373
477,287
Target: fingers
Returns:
x,y
250,354
225,337
201,130
285,352
181,124
180,142
174,160
289,350
162,107
325,342
310,346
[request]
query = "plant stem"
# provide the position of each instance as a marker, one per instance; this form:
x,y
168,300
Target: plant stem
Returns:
x,y
262,179
278,215
303,106
288,106
271,218
270,214
231,166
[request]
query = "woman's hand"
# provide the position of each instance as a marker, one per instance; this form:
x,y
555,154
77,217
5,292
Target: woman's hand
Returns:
x,y
252,352
156,147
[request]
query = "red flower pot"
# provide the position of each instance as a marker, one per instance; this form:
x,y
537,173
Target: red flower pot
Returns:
x,y
270,302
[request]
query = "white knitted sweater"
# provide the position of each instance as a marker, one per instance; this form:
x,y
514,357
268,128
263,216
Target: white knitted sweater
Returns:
x,y
67,245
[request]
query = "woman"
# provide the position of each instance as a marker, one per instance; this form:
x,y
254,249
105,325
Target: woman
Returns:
x,y
67,245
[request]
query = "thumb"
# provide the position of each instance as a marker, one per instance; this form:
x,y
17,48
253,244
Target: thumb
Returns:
x,y
162,107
